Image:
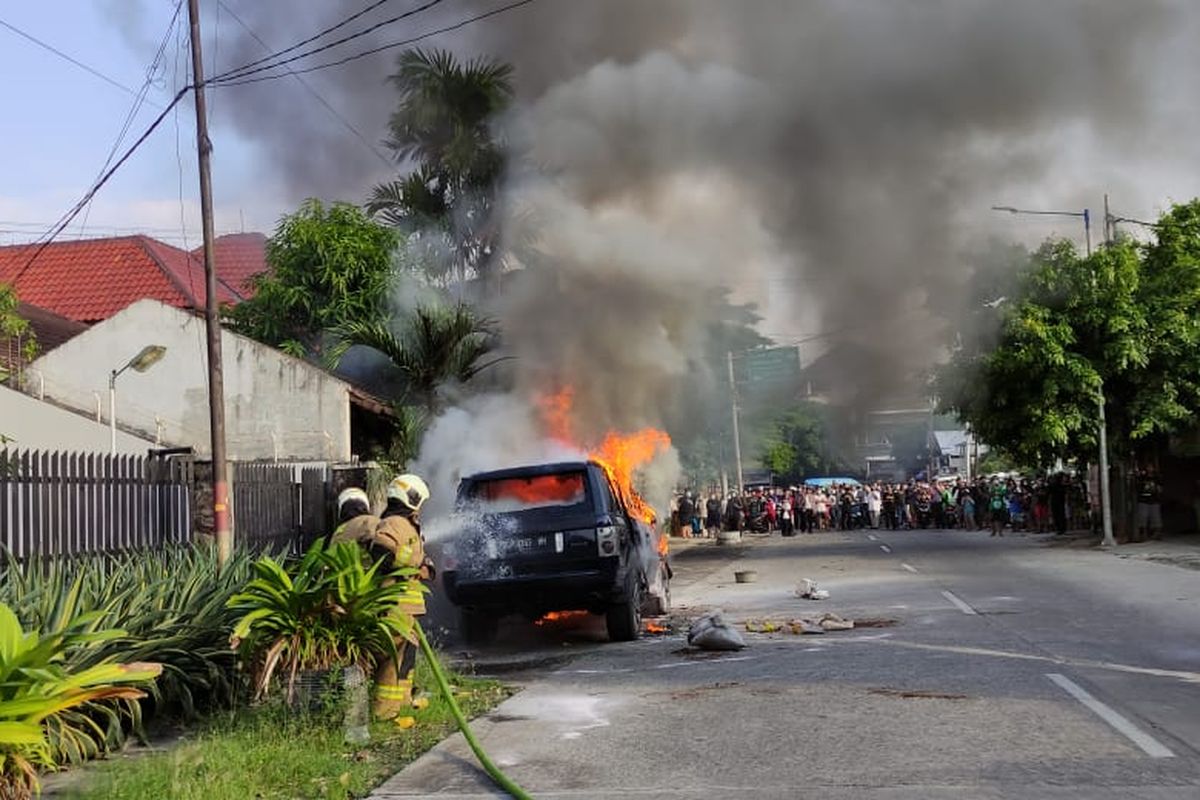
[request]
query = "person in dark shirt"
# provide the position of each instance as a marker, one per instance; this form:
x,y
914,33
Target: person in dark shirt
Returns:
x,y
1149,505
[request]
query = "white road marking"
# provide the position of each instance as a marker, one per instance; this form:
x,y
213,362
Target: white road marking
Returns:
x,y
909,567
678,664
871,536
885,548
1149,745
958,603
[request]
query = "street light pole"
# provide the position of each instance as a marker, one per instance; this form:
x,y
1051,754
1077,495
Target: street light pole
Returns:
x,y
1085,215
737,441
1105,494
146,358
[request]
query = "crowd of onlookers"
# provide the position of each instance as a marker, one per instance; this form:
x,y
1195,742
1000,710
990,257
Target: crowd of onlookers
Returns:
x,y
1053,504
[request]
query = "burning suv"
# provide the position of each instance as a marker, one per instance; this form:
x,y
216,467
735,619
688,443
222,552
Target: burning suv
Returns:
x,y
553,537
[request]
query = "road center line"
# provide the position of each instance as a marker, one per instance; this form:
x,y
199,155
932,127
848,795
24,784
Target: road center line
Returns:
x,y
909,567
1151,746
885,548
958,603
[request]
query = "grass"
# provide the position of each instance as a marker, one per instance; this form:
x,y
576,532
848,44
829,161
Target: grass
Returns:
x,y
268,753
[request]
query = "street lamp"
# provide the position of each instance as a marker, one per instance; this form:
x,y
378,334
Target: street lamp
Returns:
x,y
145,359
1085,215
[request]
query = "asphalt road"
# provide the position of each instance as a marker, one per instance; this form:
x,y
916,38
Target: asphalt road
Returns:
x,y
1015,668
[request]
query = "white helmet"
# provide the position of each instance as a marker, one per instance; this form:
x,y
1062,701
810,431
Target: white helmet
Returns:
x,y
410,490
353,493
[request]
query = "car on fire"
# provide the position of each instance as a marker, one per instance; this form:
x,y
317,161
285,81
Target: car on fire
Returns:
x,y
553,537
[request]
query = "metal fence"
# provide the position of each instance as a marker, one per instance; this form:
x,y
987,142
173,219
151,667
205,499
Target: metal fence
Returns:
x,y
58,503
66,503
280,504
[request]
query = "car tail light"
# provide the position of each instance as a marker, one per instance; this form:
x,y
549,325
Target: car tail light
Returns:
x,y
606,540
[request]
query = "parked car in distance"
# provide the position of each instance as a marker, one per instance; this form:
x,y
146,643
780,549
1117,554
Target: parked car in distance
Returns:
x,y
552,537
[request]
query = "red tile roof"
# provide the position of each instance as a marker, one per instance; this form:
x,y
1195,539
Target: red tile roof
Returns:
x,y
92,279
239,256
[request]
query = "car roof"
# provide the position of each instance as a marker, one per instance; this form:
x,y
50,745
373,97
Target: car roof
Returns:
x,y
530,471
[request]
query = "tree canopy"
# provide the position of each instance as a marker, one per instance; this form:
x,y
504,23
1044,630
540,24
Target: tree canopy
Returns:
x,y
795,444
16,335
328,266
1122,324
443,128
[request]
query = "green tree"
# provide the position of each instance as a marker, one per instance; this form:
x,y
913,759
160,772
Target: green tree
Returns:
x,y
327,266
1122,325
796,445
432,347
444,126
16,336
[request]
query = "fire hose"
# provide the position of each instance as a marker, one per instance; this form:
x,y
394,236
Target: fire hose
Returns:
x,y
503,781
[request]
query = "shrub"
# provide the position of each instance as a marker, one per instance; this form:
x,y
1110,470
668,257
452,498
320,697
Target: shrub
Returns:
x,y
328,609
171,608
37,690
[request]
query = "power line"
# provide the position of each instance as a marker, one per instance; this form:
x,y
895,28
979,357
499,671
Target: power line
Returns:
x,y
309,40
238,81
30,37
243,71
345,122
151,71
78,207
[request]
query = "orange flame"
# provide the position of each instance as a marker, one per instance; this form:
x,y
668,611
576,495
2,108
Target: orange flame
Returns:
x,y
619,454
559,616
654,627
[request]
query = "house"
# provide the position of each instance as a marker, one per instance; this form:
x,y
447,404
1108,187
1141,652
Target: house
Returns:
x,y
49,331
276,407
89,280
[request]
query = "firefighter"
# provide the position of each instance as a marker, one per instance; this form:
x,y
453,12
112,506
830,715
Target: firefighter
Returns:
x,y
356,523
397,538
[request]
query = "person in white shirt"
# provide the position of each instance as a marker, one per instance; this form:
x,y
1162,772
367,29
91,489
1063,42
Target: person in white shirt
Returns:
x,y
874,504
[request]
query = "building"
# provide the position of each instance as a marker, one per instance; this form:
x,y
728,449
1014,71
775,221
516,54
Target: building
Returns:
x,y
276,407
89,280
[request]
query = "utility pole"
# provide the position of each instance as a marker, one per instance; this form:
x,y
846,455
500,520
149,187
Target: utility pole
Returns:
x,y
216,386
1105,493
737,440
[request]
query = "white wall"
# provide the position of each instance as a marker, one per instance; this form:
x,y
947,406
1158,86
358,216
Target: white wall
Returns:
x,y
275,405
35,425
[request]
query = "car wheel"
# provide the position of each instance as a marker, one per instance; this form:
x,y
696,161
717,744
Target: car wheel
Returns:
x,y
624,618
659,604
478,627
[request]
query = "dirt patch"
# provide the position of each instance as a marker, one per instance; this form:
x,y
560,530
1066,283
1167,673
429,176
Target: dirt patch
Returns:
x,y
876,622
916,694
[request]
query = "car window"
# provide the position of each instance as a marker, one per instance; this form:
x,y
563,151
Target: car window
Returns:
x,y
561,490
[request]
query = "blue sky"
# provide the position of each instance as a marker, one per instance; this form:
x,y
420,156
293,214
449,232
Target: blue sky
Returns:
x,y
60,123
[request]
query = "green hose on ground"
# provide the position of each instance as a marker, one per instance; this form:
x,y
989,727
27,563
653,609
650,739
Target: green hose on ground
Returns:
x,y
503,781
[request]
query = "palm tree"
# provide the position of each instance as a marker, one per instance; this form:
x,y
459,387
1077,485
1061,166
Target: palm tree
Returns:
x,y
434,346
442,128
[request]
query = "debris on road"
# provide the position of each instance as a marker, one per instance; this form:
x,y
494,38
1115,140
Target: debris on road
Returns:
x,y
808,590
746,576
917,694
801,626
712,632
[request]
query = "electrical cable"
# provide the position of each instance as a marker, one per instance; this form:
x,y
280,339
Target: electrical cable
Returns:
x,y
312,38
78,207
151,71
243,71
461,24
30,37
345,122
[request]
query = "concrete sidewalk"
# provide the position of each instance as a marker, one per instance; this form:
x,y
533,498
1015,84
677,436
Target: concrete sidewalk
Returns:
x,y
1181,550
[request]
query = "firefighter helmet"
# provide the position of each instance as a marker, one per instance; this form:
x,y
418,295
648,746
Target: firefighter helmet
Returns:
x,y
410,490
353,494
